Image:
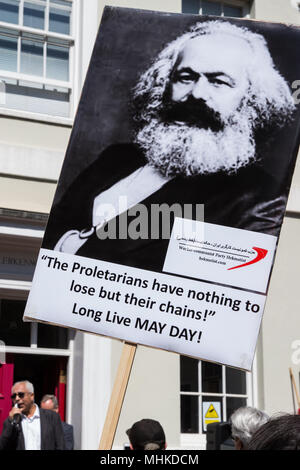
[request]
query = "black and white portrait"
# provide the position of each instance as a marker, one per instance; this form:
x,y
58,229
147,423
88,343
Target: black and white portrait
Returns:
x,y
177,109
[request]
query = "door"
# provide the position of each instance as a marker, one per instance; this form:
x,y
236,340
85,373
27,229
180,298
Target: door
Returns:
x,y
46,373
6,383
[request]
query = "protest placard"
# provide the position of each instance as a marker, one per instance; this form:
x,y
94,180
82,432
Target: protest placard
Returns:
x,y
170,202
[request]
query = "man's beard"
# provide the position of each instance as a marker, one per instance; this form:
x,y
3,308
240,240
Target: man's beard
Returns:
x,y
184,148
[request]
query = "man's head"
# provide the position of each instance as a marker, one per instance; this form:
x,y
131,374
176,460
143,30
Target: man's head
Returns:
x,y
49,402
199,105
147,434
22,394
244,423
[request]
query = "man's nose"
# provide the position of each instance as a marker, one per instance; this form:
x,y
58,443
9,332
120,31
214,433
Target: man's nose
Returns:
x,y
200,89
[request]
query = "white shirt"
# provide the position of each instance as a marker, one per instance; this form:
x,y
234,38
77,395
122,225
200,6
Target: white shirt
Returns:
x,y
31,428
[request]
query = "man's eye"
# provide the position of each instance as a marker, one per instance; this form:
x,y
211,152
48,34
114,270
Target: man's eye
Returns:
x,y
185,78
219,82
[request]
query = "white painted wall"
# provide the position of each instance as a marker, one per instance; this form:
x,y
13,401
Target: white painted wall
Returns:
x,y
282,11
281,322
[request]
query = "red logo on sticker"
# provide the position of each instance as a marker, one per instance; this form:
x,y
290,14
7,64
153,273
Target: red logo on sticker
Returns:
x,y
261,254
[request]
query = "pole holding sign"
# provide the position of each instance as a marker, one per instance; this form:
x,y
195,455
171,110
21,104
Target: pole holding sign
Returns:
x,y
117,396
295,390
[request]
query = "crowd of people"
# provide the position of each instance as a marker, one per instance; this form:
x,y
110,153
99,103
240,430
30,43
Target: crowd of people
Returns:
x,y
33,427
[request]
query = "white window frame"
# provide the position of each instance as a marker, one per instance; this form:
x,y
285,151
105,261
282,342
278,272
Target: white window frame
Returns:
x,y
244,4
198,440
45,34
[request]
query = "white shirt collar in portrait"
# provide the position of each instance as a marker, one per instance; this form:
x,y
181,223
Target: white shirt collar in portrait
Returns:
x,y
109,204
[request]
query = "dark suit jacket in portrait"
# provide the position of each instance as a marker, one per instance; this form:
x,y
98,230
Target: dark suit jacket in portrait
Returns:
x,y
249,199
52,437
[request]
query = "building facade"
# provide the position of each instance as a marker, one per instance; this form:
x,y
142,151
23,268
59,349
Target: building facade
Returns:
x,y
45,47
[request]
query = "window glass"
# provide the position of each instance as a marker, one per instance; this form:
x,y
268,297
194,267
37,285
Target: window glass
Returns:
x,y
189,374
190,6
211,378
211,8
59,21
37,98
235,381
57,62
50,336
42,54
211,394
189,414
63,3
32,57
234,12
233,403
34,15
9,11
8,53
13,331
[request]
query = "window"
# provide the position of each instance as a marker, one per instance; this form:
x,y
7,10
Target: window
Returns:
x,y
36,50
234,8
15,332
204,384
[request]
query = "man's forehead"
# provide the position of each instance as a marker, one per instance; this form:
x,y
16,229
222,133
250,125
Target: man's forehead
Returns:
x,y
47,405
20,386
214,51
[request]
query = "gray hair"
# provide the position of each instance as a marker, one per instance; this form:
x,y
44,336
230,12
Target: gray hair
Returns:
x,y
245,421
52,398
269,95
29,386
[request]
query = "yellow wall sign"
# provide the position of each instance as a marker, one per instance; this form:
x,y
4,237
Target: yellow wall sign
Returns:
x,y
211,413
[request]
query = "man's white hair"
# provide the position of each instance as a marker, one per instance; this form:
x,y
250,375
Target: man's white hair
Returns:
x,y
269,94
245,421
28,385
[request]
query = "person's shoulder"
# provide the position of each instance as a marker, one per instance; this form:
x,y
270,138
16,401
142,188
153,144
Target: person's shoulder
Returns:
x,y
49,414
67,426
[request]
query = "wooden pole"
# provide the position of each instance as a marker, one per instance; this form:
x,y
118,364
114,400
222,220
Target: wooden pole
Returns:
x,y
293,394
117,396
295,388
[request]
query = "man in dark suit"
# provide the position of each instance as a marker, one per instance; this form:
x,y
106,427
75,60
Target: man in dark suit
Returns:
x,y
203,111
28,427
49,402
